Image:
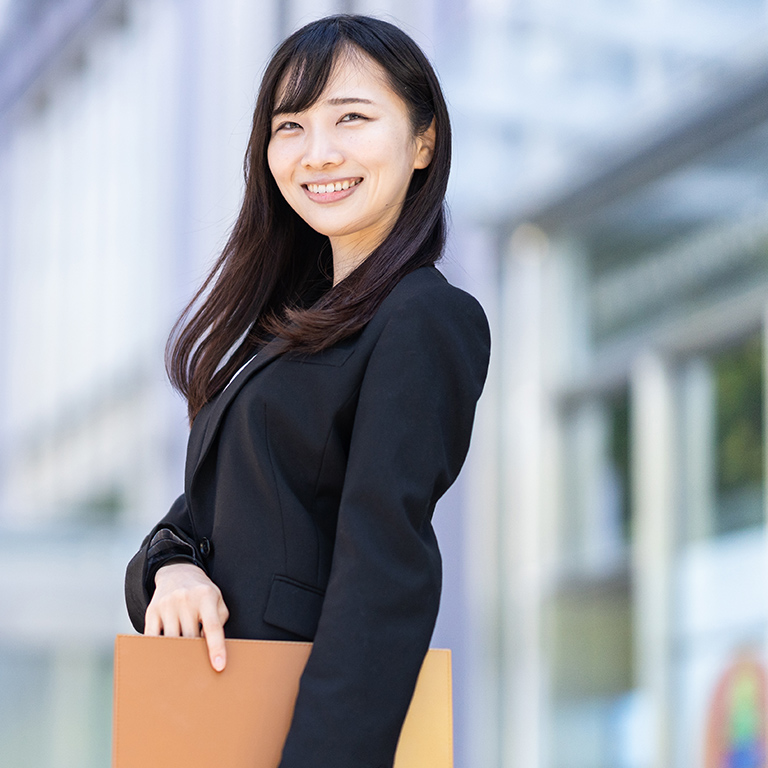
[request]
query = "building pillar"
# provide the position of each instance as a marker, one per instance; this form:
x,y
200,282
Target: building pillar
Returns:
x,y
653,481
520,349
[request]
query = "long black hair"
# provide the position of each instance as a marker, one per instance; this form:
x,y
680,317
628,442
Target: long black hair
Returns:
x,y
273,261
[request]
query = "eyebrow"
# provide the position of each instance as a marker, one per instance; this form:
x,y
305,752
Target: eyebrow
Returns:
x,y
340,102
348,100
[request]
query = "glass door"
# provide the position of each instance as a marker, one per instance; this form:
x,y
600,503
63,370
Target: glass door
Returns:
x,y
720,596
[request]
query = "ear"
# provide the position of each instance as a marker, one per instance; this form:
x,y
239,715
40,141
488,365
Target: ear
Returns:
x,y
425,143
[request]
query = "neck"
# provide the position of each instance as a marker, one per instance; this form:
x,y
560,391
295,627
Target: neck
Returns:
x,y
347,258
350,251
342,268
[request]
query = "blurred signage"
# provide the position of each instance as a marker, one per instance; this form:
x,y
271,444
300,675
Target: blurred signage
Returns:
x,y
736,726
686,270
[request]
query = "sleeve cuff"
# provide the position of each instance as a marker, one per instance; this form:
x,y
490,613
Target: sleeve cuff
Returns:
x,y
166,545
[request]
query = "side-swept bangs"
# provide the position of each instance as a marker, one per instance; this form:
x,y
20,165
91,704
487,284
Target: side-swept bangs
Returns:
x,y
307,72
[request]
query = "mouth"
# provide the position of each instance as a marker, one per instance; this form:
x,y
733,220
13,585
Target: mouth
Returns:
x,y
332,190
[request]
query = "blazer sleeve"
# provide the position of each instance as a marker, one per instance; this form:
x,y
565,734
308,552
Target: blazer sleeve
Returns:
x,y
139,575
409,440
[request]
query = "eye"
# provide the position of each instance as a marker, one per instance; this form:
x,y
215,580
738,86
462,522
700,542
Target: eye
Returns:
x,y
286,125
352,116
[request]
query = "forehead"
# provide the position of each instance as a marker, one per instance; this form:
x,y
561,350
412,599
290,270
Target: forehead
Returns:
x,y
353,74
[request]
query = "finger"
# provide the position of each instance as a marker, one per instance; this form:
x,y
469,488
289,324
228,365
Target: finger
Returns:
x,y
213,630
190,624
152,624
171,627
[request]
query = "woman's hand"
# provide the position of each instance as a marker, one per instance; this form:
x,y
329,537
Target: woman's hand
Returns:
x,y
187,603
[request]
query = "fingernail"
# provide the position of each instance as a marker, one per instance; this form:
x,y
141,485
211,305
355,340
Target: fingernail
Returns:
x,y
218,663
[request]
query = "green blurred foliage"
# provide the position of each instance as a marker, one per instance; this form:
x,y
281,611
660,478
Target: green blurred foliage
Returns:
x,y
739,377
740,451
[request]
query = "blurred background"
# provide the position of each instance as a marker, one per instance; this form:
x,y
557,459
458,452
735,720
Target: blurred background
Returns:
x,y
606,562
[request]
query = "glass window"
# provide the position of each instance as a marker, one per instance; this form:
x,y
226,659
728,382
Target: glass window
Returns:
x,y
594,709
721,406
619,458
738,375
588,619
718,587
596,501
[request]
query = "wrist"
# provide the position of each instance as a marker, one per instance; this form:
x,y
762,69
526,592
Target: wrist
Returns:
x,y
169,568
168,546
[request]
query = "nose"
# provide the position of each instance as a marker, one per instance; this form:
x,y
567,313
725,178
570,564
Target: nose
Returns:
x,y
320,150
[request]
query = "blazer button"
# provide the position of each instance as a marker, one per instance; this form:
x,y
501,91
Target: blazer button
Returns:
x,y
205,547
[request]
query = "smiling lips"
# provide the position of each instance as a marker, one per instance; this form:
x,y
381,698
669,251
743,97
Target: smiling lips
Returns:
x,y
331,191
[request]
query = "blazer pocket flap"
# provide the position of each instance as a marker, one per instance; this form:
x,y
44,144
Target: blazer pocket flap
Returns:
x,y
294,606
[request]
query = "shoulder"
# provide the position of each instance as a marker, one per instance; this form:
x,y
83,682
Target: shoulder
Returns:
x,y
426,293
430,323
428,336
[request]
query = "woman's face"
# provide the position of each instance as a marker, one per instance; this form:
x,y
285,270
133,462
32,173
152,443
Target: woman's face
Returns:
x,y
345,163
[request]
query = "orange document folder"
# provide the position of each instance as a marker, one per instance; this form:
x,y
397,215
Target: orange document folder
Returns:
x,y
171,708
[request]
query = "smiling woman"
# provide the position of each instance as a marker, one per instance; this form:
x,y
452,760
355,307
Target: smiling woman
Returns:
x,y
331,374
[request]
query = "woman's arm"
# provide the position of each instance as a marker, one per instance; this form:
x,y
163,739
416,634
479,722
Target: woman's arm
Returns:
x,y
167,590
139,575
410,437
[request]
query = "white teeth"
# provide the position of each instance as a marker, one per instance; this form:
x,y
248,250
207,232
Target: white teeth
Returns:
x,y
322,189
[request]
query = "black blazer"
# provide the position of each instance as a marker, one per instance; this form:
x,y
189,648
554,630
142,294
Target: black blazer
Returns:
x,y
311,482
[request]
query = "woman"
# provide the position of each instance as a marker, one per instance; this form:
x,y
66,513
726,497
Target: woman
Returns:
x,y
314,466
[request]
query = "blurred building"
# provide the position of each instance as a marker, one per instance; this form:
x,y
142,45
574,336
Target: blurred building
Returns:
x,y
605,586
635,349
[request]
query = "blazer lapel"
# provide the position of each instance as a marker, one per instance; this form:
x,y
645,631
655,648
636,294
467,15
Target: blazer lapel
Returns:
x,y
217,407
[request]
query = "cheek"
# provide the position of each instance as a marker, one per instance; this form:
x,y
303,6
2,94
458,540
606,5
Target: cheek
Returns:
x,y
395,155
276,163
280,174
